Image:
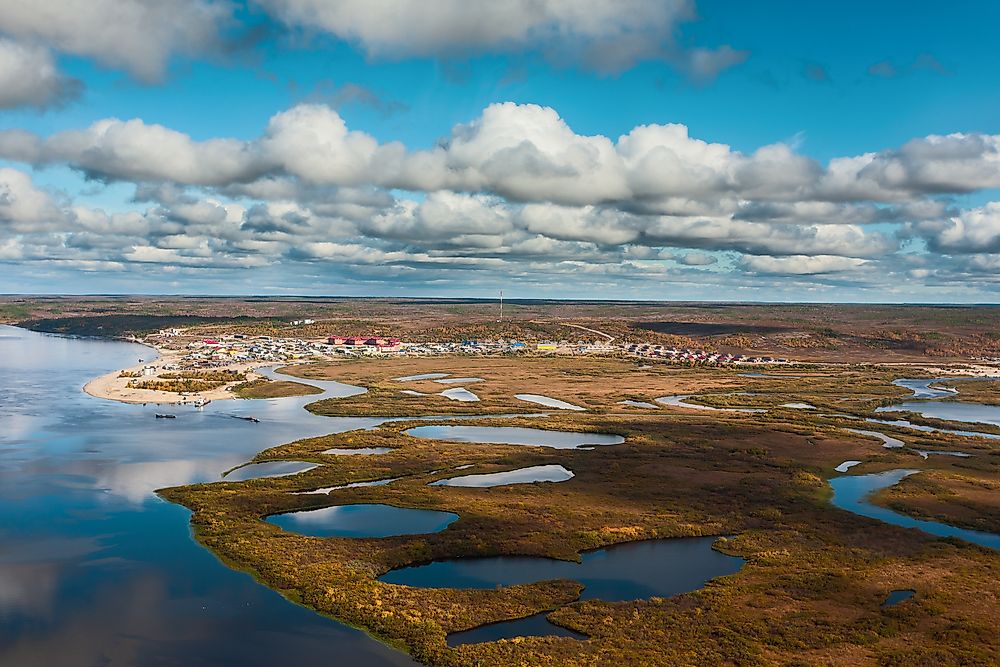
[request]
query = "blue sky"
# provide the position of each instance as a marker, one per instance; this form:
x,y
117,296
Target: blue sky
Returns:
x,y
483,149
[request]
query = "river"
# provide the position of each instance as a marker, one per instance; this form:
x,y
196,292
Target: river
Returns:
x,y
97,570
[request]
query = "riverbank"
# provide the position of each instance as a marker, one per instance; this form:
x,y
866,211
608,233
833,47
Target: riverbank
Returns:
x,y
116,386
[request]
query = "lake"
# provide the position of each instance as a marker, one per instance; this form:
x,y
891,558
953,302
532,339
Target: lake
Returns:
x,y
363,520
631,571
94,568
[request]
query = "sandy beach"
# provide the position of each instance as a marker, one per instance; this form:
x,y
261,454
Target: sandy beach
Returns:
x,y
114,387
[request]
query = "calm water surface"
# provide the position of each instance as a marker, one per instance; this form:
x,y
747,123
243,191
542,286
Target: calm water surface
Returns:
x,y
632,571
513,435
94,568
363,520
851,493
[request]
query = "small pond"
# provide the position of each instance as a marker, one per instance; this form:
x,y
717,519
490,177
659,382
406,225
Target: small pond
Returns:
x,y
887,441
460,394
632,571
895,597
358,451
639,404
679,401
513,435
851,493
546,473
422,376
458,380
363,520
846,465
269,469
353,485
547,401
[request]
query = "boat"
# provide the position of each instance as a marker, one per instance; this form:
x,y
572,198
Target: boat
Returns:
x,y
161,416
201,402
248,419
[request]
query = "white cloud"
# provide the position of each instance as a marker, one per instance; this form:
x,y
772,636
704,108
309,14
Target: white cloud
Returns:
x,y
973,231
136,35
29,77
605,35
801,265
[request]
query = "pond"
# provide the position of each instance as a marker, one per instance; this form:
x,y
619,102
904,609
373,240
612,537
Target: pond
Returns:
x,y
546,473
513,435
680,401
547,401
325,490
459,380
897,596
357,451
460,394
363,520
639,404
631,571
268,469
887,441
422,376
851,493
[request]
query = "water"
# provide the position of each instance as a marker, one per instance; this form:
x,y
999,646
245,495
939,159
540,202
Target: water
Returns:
x,y
678,401
639,404
459,380
895,597
511,435
548,473
632,571
851,493
957,411
363,520
903,423
94,568
422,376
357,451
269,469
798,406
547,401
887,441
846,465
323,491
460,394
923,389
532,626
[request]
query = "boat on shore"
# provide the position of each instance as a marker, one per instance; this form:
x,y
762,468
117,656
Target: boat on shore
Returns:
x,y
163,416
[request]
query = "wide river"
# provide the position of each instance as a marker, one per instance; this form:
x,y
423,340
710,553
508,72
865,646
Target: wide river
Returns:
x,y
94,568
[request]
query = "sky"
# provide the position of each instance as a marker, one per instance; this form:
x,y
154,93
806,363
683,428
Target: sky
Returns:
x,y
618,149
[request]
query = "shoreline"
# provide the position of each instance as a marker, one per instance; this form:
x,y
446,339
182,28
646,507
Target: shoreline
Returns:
x,y
113,387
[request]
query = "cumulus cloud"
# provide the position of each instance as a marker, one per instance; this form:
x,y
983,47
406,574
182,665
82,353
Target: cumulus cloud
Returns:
x,y
973,231
29,77
136,35
516,191
801,265
605,35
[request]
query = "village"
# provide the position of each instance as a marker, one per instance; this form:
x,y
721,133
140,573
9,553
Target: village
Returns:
x,y
230,349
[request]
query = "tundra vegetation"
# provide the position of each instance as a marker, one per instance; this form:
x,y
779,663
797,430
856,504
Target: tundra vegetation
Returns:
x,y
815,577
